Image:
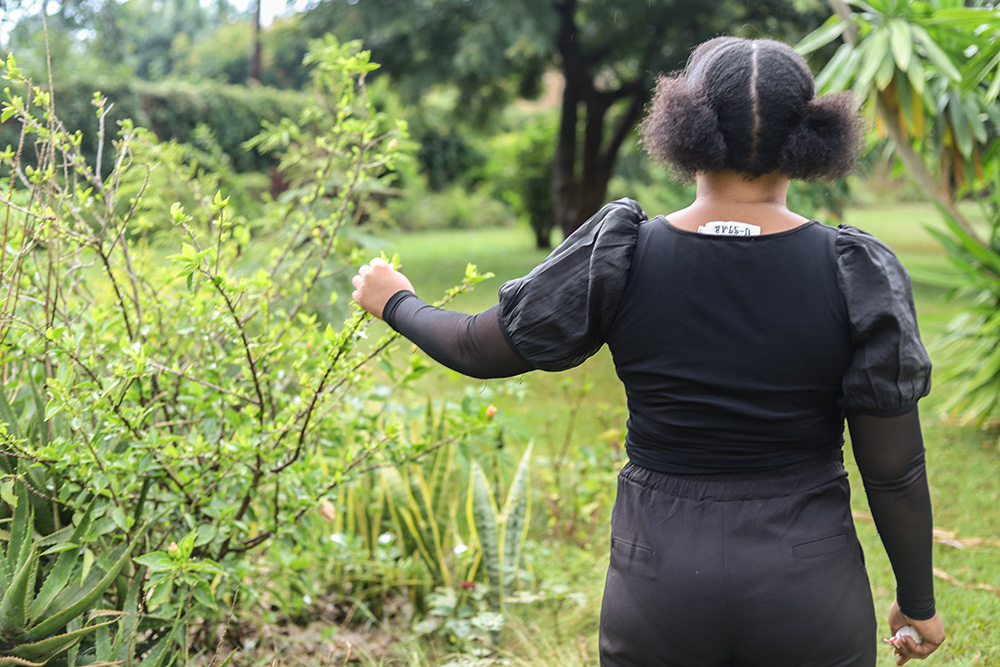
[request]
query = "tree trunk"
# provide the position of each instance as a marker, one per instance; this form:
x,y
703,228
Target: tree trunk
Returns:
x,y
599,157
564,185
255,48
543,237
579,191
577,80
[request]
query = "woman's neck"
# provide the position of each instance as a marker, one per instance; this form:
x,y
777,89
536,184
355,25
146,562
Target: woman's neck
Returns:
x,y
728,196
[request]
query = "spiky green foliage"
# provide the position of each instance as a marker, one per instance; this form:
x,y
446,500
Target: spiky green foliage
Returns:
x,y
33,625
500,532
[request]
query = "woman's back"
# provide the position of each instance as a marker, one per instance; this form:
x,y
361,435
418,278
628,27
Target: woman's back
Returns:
x,y
741,357
732,349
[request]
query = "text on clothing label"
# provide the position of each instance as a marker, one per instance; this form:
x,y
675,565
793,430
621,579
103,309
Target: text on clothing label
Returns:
x,y
729,228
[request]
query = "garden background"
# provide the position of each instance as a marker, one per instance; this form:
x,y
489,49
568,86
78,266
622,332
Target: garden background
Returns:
x,y
210,457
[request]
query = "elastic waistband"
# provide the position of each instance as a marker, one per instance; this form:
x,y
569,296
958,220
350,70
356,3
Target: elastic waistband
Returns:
x,y
778,482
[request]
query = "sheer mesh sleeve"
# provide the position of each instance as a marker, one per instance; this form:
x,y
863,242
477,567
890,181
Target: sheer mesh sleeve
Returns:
x,y
560,313
470,344
889,370
890,456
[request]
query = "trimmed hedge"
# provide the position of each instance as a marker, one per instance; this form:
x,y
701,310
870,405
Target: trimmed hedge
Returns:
x,y
173,110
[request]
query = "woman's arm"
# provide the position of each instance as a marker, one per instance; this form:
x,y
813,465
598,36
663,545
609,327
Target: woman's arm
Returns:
x,y
470,344
890,456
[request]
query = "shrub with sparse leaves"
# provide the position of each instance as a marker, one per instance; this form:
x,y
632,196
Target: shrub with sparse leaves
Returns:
x,y
195,394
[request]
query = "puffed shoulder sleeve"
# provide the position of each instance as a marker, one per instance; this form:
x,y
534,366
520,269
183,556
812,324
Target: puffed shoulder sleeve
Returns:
x,y
559,314
890,370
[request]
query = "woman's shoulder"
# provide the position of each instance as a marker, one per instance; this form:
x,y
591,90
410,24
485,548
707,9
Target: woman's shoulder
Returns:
x,y
627,207
558,314
850,238
622,214
873,281
859,252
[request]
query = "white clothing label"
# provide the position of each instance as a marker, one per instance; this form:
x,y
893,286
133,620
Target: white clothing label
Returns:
x,y
728,228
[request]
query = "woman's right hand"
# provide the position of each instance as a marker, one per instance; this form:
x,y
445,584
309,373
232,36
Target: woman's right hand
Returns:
x,y
931,632
375,283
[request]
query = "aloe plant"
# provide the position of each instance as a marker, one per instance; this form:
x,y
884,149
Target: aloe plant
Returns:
x,y
33,619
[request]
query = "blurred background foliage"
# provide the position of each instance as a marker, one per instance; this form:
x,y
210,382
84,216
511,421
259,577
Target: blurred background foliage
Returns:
x,y
456,70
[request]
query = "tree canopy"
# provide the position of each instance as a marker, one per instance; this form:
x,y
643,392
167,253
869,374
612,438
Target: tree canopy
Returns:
x,y
608,52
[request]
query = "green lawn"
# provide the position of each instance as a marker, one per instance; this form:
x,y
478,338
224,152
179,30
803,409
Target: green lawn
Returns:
x,y
576,420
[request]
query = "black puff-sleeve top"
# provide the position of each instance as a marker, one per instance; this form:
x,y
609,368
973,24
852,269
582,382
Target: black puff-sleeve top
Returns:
x,y
742,346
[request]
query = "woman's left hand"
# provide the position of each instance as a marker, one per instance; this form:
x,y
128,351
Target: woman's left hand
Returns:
x,y
375,283
906,648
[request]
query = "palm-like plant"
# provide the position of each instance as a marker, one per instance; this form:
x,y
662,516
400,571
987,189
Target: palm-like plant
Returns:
x,y
930,69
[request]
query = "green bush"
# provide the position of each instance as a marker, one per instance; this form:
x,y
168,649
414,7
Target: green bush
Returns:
x,y
450,152
224,56
454,207
519,171
971,346
171,110
183,392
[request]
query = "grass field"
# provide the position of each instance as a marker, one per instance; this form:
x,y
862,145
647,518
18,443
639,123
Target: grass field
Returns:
x,y
576,410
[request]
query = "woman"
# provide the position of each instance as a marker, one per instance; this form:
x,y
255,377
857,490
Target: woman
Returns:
x,y
744,335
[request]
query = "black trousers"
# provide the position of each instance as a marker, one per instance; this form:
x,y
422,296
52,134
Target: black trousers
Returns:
x,y
742,570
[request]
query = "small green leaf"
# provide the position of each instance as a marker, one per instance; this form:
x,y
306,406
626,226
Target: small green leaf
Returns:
x,y
822,36
118,516
7,492
156,561
901,40
203,594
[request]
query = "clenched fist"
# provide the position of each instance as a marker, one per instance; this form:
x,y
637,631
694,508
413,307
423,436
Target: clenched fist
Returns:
x,y
375,283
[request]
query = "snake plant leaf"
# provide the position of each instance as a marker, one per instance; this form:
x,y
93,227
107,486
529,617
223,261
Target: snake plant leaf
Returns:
x,y
46,649
482,511
13,608
514,518
54,583
85,599
55,542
